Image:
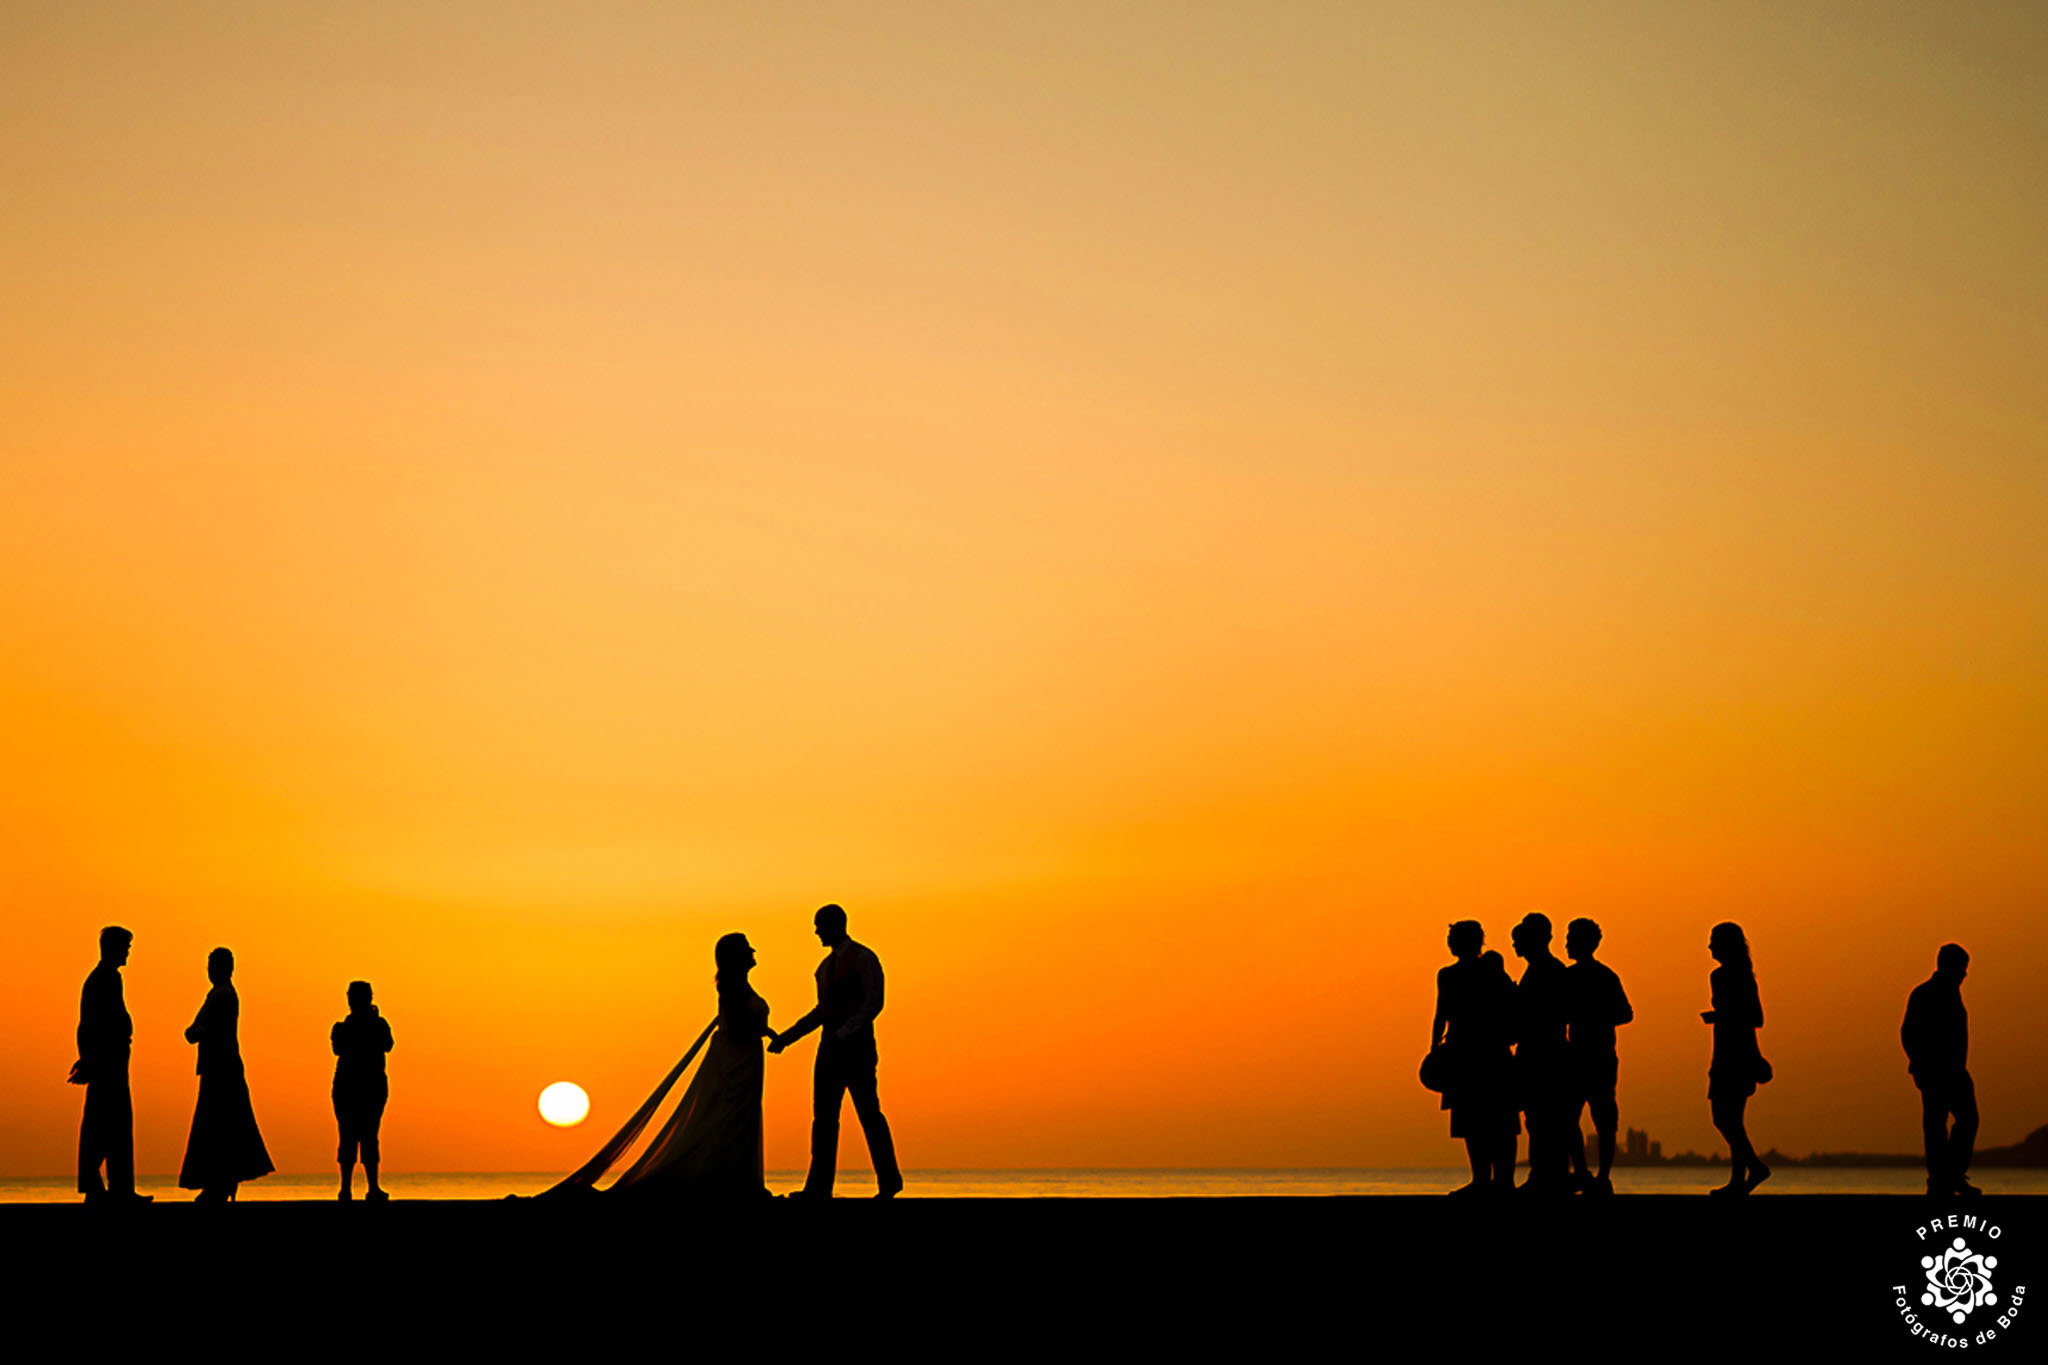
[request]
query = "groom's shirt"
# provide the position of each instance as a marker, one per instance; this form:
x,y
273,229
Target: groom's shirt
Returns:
x,y
105,1032
849,995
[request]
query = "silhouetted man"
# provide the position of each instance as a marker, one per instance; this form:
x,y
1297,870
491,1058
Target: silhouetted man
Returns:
x,y
849,998
1936,1034
1542,1066
106,1135
1597,1005
360,1088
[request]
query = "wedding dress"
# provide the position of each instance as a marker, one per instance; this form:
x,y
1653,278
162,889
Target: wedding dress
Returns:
x,y
710,1148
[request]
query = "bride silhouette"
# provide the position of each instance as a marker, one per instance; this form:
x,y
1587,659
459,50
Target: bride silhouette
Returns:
x,y
710,1148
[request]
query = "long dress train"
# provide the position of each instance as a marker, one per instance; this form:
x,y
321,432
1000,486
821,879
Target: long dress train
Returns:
x,y
710,1148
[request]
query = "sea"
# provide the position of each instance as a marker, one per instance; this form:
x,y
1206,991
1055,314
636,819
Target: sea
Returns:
x,y
1087,1184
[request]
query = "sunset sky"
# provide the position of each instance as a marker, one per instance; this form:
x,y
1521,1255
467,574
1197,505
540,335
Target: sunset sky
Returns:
x,y
1156,508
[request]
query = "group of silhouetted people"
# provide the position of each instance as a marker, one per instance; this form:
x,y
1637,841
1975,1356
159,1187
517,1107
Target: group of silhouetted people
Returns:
x,y
710,1147
226,1146
1536,1053
1540,1052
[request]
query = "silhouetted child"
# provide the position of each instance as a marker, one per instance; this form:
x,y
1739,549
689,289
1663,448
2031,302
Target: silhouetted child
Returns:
x,y
360,1088
1597,1006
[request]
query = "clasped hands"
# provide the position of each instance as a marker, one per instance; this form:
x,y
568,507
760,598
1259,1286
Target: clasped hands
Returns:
x,y
779,1041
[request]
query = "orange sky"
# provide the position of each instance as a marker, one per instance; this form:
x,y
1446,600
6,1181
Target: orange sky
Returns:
x,y
1157,509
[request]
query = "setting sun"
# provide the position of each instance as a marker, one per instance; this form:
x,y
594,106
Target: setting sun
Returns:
x,y
564,1104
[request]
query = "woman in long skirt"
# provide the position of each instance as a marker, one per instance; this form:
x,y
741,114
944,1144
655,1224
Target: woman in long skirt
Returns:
x,y
225,1147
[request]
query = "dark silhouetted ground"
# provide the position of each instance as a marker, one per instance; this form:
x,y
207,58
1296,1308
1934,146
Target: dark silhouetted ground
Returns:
x,y
1641,1277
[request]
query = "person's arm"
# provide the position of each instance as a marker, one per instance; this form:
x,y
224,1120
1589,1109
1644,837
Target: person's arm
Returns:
x,y
334,1039
385,1024
1442,1020
81,1070
86,1022
868,968
204,1019
798,1029
1624,1013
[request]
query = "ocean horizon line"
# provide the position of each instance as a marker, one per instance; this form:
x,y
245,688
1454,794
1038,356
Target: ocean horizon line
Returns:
x,y
327,1173
1026,1183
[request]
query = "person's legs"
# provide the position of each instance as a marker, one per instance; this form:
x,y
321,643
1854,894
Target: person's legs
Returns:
x,y
1744,1170
1934,1137
828,1085
1547,1159
1752,1169
1570,1154
1549,1127
1479,1156
1553,1123
92,1141
345,1155
372,1122
117,1136
1604,1132
1575,1139
1962,1139
881,1145
1727,1113
1606,1113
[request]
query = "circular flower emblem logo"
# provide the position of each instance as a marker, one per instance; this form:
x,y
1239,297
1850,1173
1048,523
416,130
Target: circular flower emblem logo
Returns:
x,y
1958,1281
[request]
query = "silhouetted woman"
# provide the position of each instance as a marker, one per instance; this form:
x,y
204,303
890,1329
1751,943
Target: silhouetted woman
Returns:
x,y
1738,1065
711,1146
1470,1039
225,1148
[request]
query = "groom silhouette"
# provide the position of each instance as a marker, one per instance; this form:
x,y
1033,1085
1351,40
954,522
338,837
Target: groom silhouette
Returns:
x,y
105,1037
849,998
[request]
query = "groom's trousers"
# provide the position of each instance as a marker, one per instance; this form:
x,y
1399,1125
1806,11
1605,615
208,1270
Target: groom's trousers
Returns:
x,y
843,1069
107,1133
